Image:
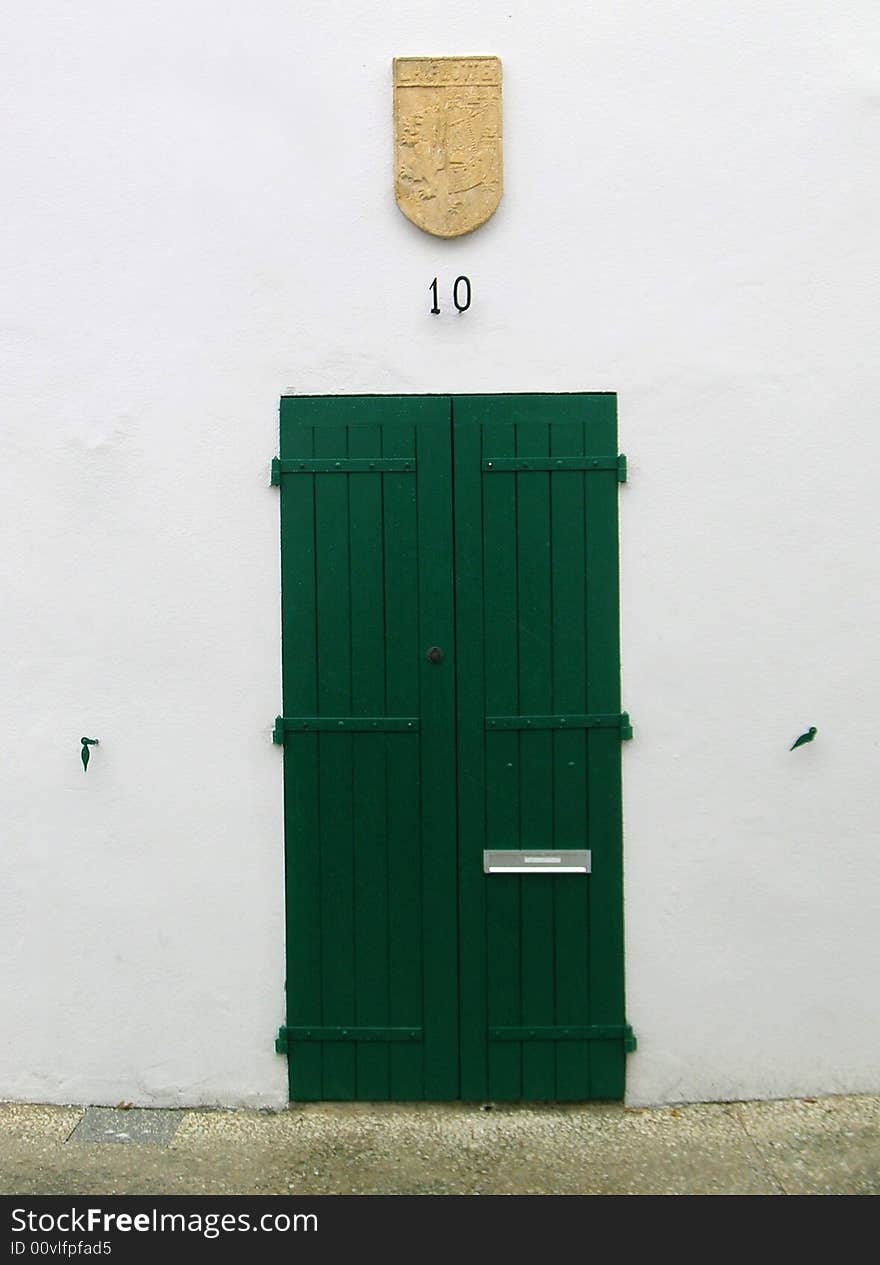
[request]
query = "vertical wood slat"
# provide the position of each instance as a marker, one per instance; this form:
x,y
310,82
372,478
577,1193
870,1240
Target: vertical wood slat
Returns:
x,y
501,933
370,876
335,761
299,675
568,624
402,784
604,790
535,664
438,762
471,710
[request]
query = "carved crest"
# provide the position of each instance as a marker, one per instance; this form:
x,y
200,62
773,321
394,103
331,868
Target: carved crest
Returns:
x,y
447,141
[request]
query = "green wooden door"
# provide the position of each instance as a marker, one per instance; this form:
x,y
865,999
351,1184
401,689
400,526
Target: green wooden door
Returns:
x,y
451,689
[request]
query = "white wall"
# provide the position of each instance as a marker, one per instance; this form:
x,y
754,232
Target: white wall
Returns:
x,y
202,219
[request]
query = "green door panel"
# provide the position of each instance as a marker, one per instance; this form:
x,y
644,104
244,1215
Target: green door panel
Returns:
x,y
410,973
536,566
371,879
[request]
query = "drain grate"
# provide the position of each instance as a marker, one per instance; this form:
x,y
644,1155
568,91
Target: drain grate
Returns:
x,y
138,1124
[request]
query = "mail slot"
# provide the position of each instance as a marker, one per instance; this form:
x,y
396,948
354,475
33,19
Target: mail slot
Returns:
x,y
560,861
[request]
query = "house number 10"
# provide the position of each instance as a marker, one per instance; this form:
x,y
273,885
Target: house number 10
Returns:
x,y
461,295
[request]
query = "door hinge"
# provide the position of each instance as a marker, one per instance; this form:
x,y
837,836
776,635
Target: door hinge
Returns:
x,y
343,724
570,1032
354,1032
619,721
528,465
340,465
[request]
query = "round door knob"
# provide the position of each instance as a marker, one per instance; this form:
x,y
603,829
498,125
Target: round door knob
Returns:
x,y
434,655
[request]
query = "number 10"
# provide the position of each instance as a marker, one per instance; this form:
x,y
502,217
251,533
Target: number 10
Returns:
x,y
461,295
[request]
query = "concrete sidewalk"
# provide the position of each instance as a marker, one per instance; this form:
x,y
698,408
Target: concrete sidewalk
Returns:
x,y
801,1146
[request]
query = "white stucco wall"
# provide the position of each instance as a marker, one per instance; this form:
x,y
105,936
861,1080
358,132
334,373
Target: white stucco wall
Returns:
x,y
199,217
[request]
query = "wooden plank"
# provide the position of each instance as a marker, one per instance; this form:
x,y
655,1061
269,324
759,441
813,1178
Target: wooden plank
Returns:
x,y
469,605
535,664
370,878
603,747
301,808
402,782
571,915
502,766
437,680
335,762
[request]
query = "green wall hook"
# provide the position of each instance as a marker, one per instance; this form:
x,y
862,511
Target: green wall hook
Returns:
x,y
86,743
807,737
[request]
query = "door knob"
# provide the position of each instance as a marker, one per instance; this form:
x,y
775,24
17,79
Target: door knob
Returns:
x,y
434,655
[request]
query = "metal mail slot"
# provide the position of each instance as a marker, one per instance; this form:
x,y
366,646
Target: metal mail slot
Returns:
x,y
565,861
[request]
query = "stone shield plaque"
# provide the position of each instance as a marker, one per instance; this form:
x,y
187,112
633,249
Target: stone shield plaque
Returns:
x,y
447,141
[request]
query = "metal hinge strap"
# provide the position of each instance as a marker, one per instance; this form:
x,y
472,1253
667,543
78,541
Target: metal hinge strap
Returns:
x,y
520,465
353,1033
619,721
341,465
343,724
589,1032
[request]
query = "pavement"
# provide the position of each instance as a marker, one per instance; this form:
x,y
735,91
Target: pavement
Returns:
x,y
809,1146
